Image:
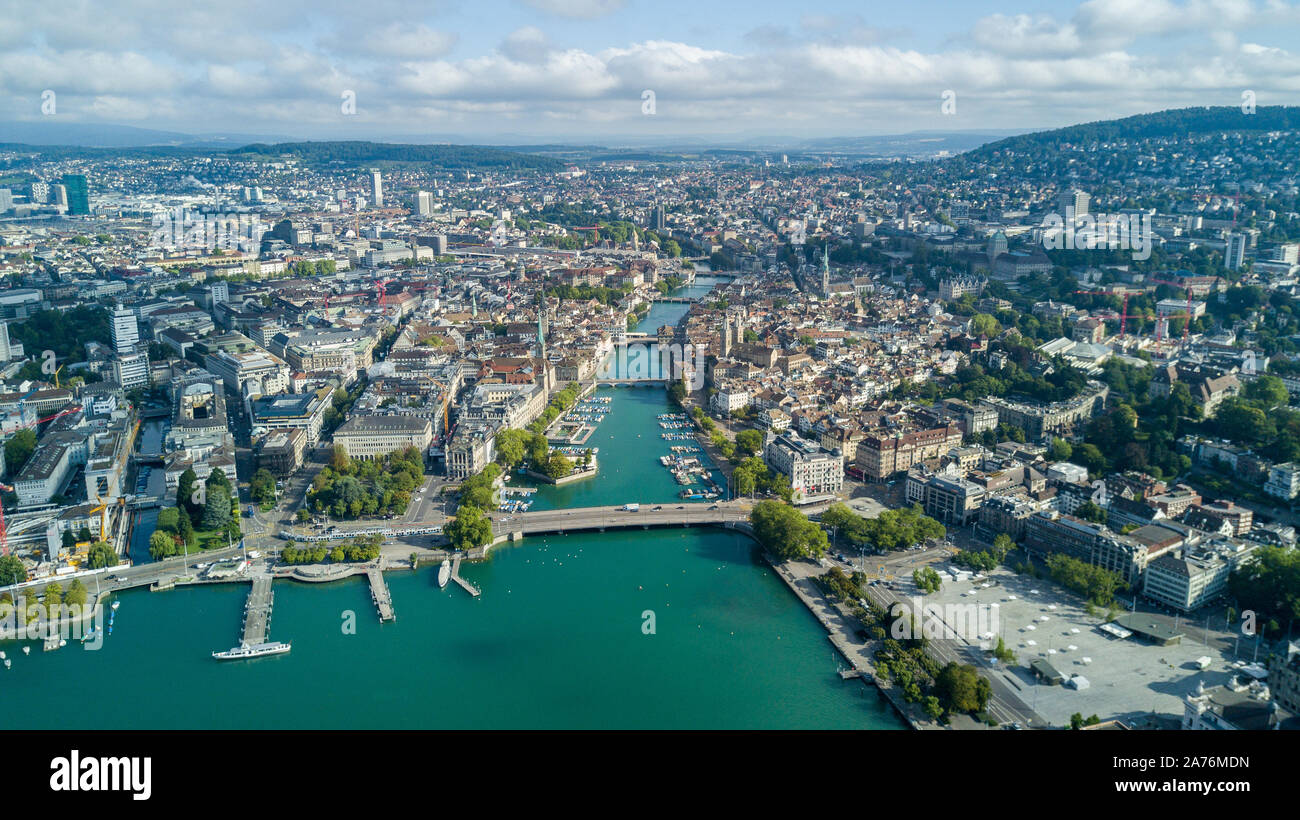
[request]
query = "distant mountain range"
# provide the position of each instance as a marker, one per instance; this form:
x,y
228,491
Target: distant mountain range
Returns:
x,y
454,157
87,135
73,139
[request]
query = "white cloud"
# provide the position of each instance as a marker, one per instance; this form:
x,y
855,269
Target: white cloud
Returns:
x,y
283,69
526,45
581,9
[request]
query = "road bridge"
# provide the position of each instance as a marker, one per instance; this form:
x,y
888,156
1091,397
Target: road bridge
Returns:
x,y
599,519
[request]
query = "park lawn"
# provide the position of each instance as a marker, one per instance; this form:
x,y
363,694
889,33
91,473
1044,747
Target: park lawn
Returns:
x,y
213,539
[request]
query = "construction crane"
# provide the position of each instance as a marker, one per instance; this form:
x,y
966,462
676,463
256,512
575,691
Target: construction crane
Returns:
x,y
4,535
1123,315
1188,325
24,425
1162,323
4,532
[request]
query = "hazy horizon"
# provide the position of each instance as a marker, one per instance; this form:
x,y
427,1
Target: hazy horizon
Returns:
x,y
626,72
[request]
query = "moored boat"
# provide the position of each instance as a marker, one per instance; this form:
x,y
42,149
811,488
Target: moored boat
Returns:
x,y
252,651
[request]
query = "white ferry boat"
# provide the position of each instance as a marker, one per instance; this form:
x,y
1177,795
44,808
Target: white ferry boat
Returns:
x,y
444,573
254,651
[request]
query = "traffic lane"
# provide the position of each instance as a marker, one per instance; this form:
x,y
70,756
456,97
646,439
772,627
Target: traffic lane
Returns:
x,y
1006,705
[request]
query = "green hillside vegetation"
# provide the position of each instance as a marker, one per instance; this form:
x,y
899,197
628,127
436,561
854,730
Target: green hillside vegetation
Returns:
x,y
360,152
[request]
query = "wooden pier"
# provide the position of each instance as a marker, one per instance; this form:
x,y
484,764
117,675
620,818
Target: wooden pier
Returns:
x,y
380,594
465,585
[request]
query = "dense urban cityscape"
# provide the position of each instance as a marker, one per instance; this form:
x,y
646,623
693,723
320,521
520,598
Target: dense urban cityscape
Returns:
x,y
582,364
912,383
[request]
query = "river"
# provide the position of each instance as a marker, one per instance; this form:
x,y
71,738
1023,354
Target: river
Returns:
x,y
633,629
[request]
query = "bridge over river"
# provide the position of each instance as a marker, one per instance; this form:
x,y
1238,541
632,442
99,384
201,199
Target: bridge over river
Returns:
x,y
599,519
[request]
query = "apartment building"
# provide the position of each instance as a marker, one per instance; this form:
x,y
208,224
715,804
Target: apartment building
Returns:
x,y
1039,419
881,454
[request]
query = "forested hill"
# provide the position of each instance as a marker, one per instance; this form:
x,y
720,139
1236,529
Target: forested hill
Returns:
x,y
444,156
1179,122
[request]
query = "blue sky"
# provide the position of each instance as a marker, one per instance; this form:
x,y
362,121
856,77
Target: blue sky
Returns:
x,y
508,70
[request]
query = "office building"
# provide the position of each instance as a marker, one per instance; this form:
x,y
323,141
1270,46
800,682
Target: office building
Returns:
x,y
131,370
78,195
376,189
1234,256
1073,204
126,331
369,437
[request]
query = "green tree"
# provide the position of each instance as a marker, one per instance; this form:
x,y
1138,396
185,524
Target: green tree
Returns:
x,y
961,689
340,461
216,512
1268,582
102,555
12,570
471,528
510,444
218,478
933,708
927,580
53,594
1059,450
185,494
185,529
69,539
559,466
169,520
982,324
1089,511
1266,392
18,449
76,594
749,442
261,488
161,545
787,532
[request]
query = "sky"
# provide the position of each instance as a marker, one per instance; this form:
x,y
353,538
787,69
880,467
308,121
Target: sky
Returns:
x,y
633,71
